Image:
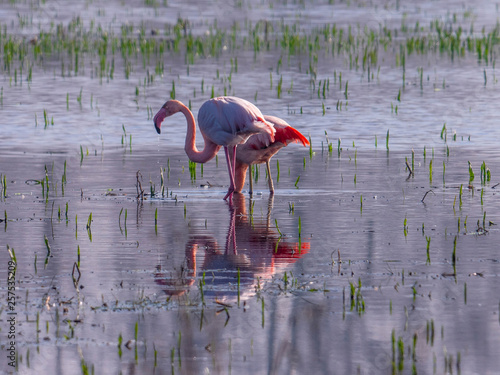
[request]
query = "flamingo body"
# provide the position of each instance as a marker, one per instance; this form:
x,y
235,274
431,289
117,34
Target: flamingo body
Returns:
x,y
224,122
229,121
257,150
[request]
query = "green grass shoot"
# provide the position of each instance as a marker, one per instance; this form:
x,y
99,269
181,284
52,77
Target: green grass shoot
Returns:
x,y
428,240
136,331
485,173
202,294
277,228
430,171
444,132
12,254
89,221
47,245
4,186
263,309
471,172
454,253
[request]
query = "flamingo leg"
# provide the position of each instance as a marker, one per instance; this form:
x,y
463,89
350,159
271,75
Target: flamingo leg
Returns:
x,y
270,204
231,232
234,163
271,186
231,166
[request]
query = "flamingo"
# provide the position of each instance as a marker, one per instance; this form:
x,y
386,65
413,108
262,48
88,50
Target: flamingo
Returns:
x,y
257,151
226,122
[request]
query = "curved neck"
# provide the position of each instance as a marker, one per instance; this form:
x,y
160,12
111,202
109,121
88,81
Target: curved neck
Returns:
x,y
210,149
240,174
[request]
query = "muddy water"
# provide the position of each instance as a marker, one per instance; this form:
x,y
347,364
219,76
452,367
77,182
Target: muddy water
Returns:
x,y
353,266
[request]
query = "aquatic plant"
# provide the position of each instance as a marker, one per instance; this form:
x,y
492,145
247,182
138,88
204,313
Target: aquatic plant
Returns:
x,y
485,173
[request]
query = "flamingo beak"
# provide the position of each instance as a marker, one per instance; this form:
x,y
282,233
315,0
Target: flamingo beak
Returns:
x,y
158,119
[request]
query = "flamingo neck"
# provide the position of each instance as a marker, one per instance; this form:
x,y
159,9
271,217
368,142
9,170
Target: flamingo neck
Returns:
x,y
239,176
210,149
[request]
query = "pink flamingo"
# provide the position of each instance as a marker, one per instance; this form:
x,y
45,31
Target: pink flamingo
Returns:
x,y
257,151
225,121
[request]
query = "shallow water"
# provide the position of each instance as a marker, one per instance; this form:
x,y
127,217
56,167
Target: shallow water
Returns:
x,y
353,266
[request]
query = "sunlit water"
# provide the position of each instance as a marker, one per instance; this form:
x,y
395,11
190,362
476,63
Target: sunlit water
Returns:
x,y
354,266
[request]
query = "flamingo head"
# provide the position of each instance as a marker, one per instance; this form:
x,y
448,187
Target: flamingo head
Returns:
x,y
168,109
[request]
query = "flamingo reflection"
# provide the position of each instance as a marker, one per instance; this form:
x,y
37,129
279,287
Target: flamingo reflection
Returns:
x,y
252,246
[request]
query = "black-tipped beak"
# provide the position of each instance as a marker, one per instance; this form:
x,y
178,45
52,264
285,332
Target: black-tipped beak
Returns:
x,y
158,119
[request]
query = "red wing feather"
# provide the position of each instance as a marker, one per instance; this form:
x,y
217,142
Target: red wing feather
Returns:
x,y
288,134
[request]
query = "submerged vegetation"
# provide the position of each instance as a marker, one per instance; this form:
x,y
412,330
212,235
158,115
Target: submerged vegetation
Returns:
x,y
108,52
